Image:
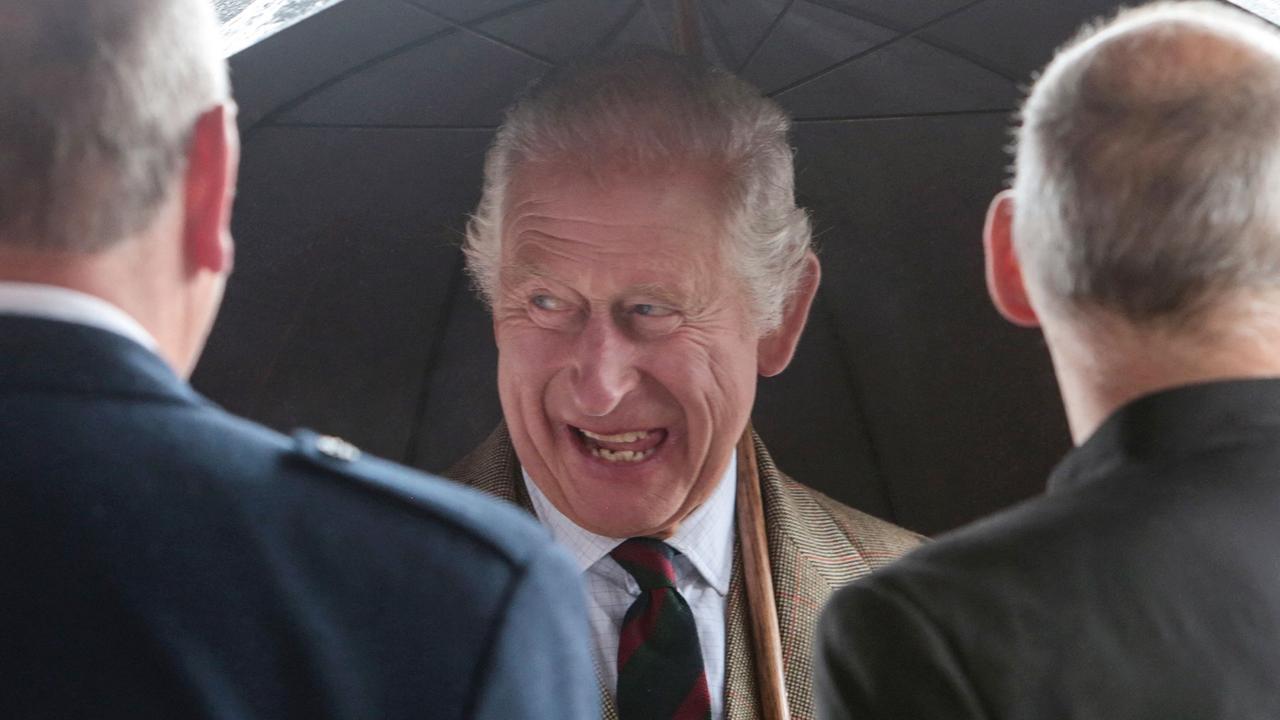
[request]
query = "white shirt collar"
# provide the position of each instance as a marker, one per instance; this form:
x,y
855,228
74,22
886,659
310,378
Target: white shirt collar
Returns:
x,y
58,303
705,537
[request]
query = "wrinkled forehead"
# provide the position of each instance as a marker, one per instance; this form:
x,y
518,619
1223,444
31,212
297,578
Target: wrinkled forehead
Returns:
x,y
608,177
613,211
656,228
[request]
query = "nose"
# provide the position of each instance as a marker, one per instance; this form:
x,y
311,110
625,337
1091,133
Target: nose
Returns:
x,y
604,367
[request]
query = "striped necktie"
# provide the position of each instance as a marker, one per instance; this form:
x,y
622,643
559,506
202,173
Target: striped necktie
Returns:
x,y
660,673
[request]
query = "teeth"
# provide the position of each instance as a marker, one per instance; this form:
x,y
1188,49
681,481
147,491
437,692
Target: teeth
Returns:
x,y
625,437
621,456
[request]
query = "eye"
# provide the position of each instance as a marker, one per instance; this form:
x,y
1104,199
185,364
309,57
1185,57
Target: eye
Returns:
x,y
552,312
547,302
654,311
651,320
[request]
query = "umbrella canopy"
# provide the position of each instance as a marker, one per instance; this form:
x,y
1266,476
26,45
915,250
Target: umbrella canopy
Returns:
x,y
365,127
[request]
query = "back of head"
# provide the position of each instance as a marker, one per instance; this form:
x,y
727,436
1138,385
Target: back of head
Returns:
x,y
97,102
644,111
1148,166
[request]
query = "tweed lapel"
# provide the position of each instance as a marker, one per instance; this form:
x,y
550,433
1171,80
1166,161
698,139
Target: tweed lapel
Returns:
x,y
741,701
811,555
608,706
494,469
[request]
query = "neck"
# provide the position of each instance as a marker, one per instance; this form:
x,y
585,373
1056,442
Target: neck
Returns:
x,y
121,275
1103,362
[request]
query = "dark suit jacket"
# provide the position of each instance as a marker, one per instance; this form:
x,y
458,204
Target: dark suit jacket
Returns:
x,y
815,546
163,559
1144,585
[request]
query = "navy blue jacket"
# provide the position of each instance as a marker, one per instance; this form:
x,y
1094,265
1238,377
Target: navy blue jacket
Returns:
x,y
162,558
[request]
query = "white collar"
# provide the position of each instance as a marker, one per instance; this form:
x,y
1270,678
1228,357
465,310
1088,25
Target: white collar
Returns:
x,y
705,537
58,303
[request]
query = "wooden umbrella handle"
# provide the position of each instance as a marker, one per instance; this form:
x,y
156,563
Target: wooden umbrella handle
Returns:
x,y
766,640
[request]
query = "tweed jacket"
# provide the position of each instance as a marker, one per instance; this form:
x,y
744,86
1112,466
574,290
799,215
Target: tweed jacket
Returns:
x,y
816,545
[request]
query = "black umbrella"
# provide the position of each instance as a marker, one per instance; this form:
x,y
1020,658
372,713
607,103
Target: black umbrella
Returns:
x,y
364,129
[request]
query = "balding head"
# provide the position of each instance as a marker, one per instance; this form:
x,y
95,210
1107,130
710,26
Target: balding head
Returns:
x,y
1148,166
98,100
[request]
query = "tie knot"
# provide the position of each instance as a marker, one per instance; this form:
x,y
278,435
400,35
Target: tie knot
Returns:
x,y
648,561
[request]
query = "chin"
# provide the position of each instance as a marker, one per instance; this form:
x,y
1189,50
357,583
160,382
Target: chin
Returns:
x,y
616,516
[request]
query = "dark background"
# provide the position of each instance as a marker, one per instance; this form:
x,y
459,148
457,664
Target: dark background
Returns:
x,y
364,132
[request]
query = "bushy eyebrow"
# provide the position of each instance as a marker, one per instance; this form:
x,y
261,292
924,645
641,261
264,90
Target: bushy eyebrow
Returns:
x,y
661,293
516,274
519,272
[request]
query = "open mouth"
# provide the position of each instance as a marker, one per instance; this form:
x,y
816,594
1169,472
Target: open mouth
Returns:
x,y
626,447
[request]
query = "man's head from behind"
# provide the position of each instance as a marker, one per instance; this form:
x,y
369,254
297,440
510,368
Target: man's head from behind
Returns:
x,y
117,157
1146,203
639,244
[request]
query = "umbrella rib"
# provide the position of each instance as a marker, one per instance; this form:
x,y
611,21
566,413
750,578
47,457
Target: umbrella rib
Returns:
x,y
719,36
859,400
873,49
962,54
899,116
768,32
268,119
470,29
412,448
613,32
653,17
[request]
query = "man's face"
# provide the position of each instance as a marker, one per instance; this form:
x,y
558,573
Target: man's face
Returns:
x,y
627,356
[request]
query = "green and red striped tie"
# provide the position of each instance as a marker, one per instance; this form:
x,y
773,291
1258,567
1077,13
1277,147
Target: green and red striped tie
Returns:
x,y
660,673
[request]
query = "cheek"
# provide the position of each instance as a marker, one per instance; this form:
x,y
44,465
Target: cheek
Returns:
x,y
531,376
525,371
526,356
708,379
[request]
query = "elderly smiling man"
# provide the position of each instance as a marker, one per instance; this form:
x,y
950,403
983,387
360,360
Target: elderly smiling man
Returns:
x,y
640,247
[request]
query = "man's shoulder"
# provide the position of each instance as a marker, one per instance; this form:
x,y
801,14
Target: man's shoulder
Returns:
x,y
315,481
1075,588
970,599
173,433
508,531
808,513
1012,561
891,539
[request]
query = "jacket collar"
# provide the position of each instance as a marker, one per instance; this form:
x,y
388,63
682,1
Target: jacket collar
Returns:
x,y
1175,423
64,357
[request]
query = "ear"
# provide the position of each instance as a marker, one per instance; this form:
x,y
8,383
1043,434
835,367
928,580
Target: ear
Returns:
x,y
213,157
1005,282
776,349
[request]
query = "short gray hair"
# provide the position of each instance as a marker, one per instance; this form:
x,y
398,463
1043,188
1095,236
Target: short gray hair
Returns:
x,y
1148,164
97,102
650,109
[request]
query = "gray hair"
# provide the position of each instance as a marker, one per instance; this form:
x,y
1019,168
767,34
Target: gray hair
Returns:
x,y
97,103
648,109
1148,165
